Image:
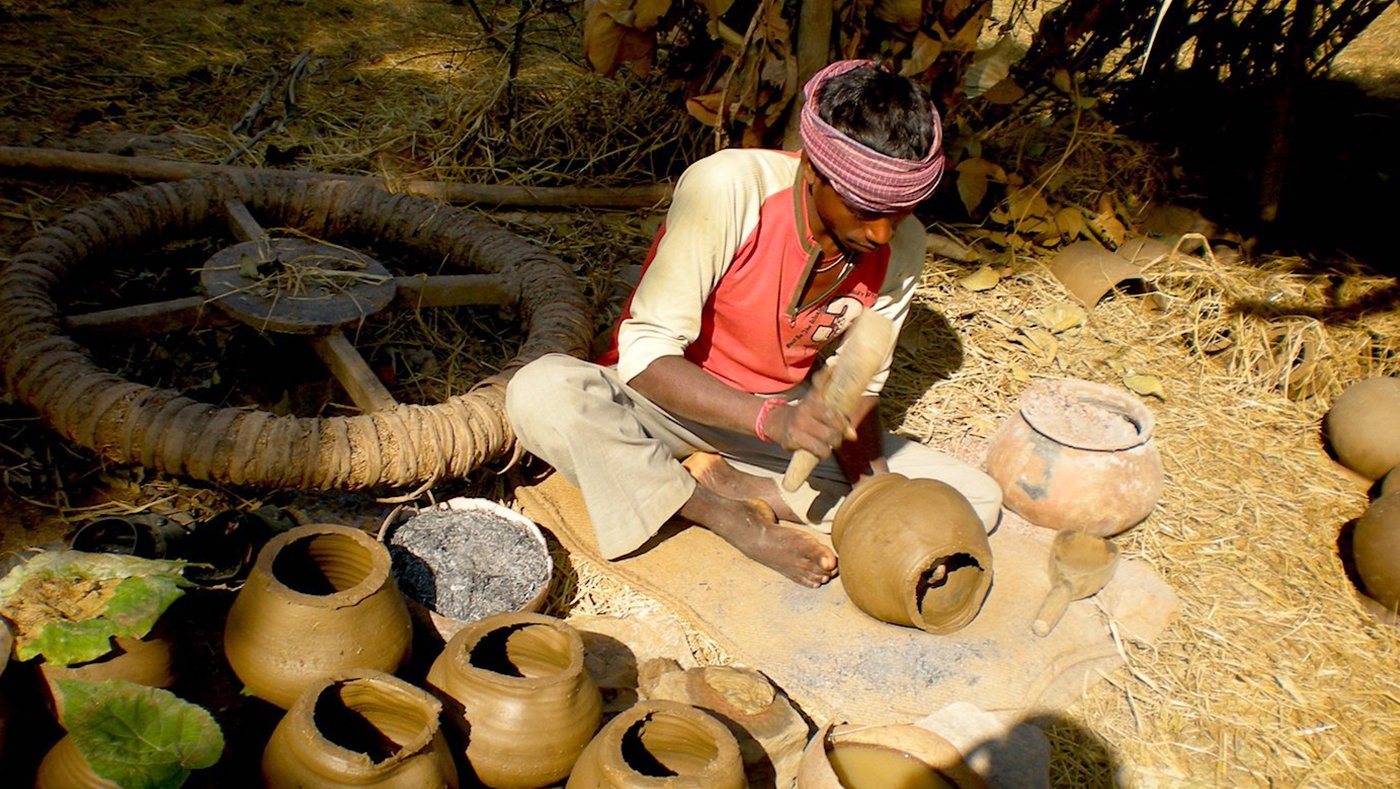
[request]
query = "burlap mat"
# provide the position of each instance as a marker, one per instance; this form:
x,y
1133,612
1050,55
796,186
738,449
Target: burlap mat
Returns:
x,y
838,663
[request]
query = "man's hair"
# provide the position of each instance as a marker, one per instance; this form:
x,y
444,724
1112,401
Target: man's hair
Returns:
x,y
881,110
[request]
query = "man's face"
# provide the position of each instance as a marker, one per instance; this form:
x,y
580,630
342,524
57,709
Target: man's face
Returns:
x,y
854,231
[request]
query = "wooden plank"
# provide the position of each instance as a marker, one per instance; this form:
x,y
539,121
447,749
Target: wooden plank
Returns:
x,y
350,369
455,290
157,317
242,223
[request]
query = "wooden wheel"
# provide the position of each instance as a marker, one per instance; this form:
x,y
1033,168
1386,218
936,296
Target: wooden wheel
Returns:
x,y
303,285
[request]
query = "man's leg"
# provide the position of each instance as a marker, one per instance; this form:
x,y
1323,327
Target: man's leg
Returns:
x,y
621,451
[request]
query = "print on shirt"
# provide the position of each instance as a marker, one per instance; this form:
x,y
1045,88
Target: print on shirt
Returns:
x,y
830,322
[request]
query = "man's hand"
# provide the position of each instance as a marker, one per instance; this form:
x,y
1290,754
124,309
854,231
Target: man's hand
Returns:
x,y
809,424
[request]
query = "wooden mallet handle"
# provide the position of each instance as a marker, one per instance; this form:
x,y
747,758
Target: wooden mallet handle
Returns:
x,y
863,351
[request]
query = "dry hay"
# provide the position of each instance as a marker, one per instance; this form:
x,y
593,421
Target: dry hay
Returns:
x,y
1273,674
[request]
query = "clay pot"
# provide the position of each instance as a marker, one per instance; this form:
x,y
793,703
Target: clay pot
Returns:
x,y
320,599
1078,455
848,756
65,767
661,744
1362,428
1375,546
360,728
145,661
516,687
913,552
1391,483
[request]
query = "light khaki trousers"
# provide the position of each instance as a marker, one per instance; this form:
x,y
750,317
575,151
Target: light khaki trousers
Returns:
x,y
624,453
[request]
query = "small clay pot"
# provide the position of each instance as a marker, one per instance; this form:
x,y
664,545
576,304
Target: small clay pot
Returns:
x,y
516,687
661,744
360,728
145,661
1363,429
913,552
848,756
65,767
1078,455
1375,546
319,599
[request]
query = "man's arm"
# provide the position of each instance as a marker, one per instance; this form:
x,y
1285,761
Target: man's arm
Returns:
x,y
680,387
864,455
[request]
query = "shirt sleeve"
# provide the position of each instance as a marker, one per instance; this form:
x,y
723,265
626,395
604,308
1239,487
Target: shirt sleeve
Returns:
x,y
907,250
704,227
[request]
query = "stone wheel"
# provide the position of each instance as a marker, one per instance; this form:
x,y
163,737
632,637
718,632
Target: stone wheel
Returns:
x,y
388,443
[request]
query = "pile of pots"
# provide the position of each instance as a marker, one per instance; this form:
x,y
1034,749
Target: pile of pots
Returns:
x,y
320,629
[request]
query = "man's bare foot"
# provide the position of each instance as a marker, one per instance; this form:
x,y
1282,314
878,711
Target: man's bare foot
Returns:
x,y
751,526
717,476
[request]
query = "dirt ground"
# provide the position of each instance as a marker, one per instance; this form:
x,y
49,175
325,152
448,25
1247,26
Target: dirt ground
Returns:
x,y
415,89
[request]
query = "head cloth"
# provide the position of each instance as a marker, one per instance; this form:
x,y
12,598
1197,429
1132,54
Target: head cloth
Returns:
x,y
864,177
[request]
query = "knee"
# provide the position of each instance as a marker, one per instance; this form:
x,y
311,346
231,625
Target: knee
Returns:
x,y
984,494
547,391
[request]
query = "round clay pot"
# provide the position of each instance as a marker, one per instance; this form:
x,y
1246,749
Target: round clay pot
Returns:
x,y
1078,455
1362,428
515,685
661,744
848,756
65,767
360,728
913,552
145,661
319,599
1375,546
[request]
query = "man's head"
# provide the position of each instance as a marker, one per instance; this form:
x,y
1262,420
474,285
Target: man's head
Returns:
x,y
873,136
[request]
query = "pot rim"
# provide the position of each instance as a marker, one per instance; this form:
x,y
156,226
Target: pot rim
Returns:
x,y
375,579
302,719
968,612
726,746
1103,396
459,647
934,750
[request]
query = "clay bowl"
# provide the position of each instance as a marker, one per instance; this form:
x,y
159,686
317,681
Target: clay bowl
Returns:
x,y
1362,428
467,560
850,756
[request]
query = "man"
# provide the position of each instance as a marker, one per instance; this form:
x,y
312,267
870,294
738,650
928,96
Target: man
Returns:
x,y
764,259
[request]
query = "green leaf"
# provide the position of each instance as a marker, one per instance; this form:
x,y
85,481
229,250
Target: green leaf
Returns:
x,y
137,736
67,605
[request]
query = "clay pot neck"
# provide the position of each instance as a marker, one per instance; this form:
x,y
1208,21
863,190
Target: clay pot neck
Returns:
x,y
331,569
943,592
363,726
522,654
1087,416
661,747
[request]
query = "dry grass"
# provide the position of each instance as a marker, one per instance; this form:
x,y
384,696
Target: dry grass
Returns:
x,y
1273,674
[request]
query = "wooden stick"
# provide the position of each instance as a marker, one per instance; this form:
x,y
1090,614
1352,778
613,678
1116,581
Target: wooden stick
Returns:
x,y
145,168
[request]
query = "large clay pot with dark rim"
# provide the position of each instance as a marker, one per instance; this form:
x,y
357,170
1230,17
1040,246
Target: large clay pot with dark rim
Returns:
x,y
661,744
319,599
850,756
360,728
913,552
1078,455
515,686
1375,547
65,767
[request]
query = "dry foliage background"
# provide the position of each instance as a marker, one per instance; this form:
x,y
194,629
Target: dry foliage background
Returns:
x,y
1272,675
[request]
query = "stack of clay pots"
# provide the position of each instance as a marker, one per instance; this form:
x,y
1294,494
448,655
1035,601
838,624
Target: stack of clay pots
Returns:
x,y
1363,430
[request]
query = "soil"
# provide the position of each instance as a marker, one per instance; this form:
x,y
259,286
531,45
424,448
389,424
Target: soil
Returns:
x,y
1076,418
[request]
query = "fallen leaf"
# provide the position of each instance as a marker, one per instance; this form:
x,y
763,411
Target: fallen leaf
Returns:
x,y
1040,340
972,188
1145,385
1061,80
1061,316
1019,373
921,55
906,14
984,278
1070,222
1004,92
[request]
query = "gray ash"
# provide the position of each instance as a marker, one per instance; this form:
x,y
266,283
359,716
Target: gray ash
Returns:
x,y
468,564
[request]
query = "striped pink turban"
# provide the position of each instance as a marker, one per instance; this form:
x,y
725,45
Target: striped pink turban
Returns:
x,y
865,178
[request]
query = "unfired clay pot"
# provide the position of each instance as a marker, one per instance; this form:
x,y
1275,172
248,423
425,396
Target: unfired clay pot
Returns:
x,y
1363,428
1078,455
145,661
360,728
64,767
849,756
657,744
515,686
320,599
1376,548
913,553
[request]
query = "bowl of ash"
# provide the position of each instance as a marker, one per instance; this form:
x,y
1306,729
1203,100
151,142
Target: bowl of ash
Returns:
x,y
468,559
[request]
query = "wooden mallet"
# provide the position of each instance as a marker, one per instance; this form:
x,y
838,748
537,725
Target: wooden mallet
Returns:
x,y
862,353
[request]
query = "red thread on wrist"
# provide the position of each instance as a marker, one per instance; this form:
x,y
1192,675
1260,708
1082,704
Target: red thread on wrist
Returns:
x,y
763,415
